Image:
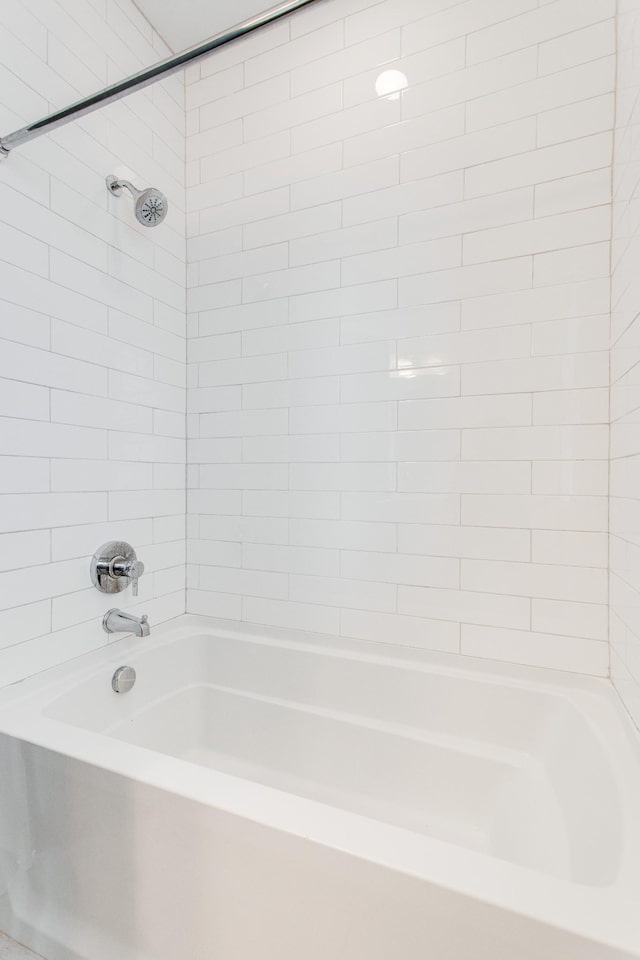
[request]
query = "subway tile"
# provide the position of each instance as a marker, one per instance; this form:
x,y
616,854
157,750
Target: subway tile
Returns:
x,y
366,179
292,615
464,606
343,592
547,581
403,323
347,242
83,475
469,412
342,476
351,121
535,649
358,299
501,476
539,512
295,169
566,618
247,583
291,393
377,19
292,112
343,534
587,478
404,136
545,93
40,511
348,62
306,561
575,121
292,282
19,550
547,163
421,194
312,505
566,230
291,449
359,358
240,317
244,529
404,631
401,385
402,507
447,20
24,623
243,370
290,227
473,280
247,423
207,604
572,407
573,193
463,348
581,46
293,338
581,371
576,335
400,569
468,216
572,265
569,548
435,540
539,26
571,443
472,81
554,302
419,445
282,59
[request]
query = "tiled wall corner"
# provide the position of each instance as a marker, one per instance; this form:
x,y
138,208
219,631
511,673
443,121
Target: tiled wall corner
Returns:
x,y
92,331
398,325
625,368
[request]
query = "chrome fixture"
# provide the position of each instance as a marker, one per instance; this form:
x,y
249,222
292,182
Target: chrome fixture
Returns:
x,y
123,680
145,78
114,566
150,205
117,621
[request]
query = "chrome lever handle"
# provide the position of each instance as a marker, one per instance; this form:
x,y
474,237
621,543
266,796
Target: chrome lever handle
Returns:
x,y
137,569
132,570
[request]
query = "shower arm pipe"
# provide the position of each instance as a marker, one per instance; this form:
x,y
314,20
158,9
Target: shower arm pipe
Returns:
x,y
148,76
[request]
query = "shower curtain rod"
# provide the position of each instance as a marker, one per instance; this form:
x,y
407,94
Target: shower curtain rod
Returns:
x,y
145,78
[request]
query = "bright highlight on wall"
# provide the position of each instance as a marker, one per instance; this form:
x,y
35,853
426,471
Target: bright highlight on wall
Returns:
x,y
391,83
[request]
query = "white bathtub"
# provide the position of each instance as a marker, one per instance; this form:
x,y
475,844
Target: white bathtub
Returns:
x,y
279,796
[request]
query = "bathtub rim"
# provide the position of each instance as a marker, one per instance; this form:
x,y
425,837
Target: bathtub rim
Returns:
x,y
603,914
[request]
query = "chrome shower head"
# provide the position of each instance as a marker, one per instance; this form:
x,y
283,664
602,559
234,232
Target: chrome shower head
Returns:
x,y
150,205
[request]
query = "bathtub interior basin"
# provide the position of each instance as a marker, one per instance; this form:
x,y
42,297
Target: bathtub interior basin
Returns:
x,y
487,762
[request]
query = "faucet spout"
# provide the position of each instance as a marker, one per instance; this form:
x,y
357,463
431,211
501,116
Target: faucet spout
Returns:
x,y
116,621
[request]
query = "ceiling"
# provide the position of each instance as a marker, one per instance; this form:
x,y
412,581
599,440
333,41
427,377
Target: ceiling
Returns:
x,y
182,25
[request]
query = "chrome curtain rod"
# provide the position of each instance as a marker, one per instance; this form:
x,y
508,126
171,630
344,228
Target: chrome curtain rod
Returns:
x,y
145,78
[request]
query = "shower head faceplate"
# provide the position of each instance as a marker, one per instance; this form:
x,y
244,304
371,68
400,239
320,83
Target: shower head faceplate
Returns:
x,y
151,205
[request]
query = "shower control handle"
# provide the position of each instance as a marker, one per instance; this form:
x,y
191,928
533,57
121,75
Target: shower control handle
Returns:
x,y
114,566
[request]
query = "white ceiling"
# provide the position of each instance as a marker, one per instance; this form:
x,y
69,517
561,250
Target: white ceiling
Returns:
x,y
183,24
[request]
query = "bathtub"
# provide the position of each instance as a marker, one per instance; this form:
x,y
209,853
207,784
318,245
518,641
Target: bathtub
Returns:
x,y
263,795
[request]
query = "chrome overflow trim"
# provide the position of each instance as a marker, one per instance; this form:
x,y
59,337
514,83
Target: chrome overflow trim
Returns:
x,y
123,680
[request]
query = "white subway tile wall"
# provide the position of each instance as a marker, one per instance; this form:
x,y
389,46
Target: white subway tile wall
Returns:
x,y
399,225
92,332
625,370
